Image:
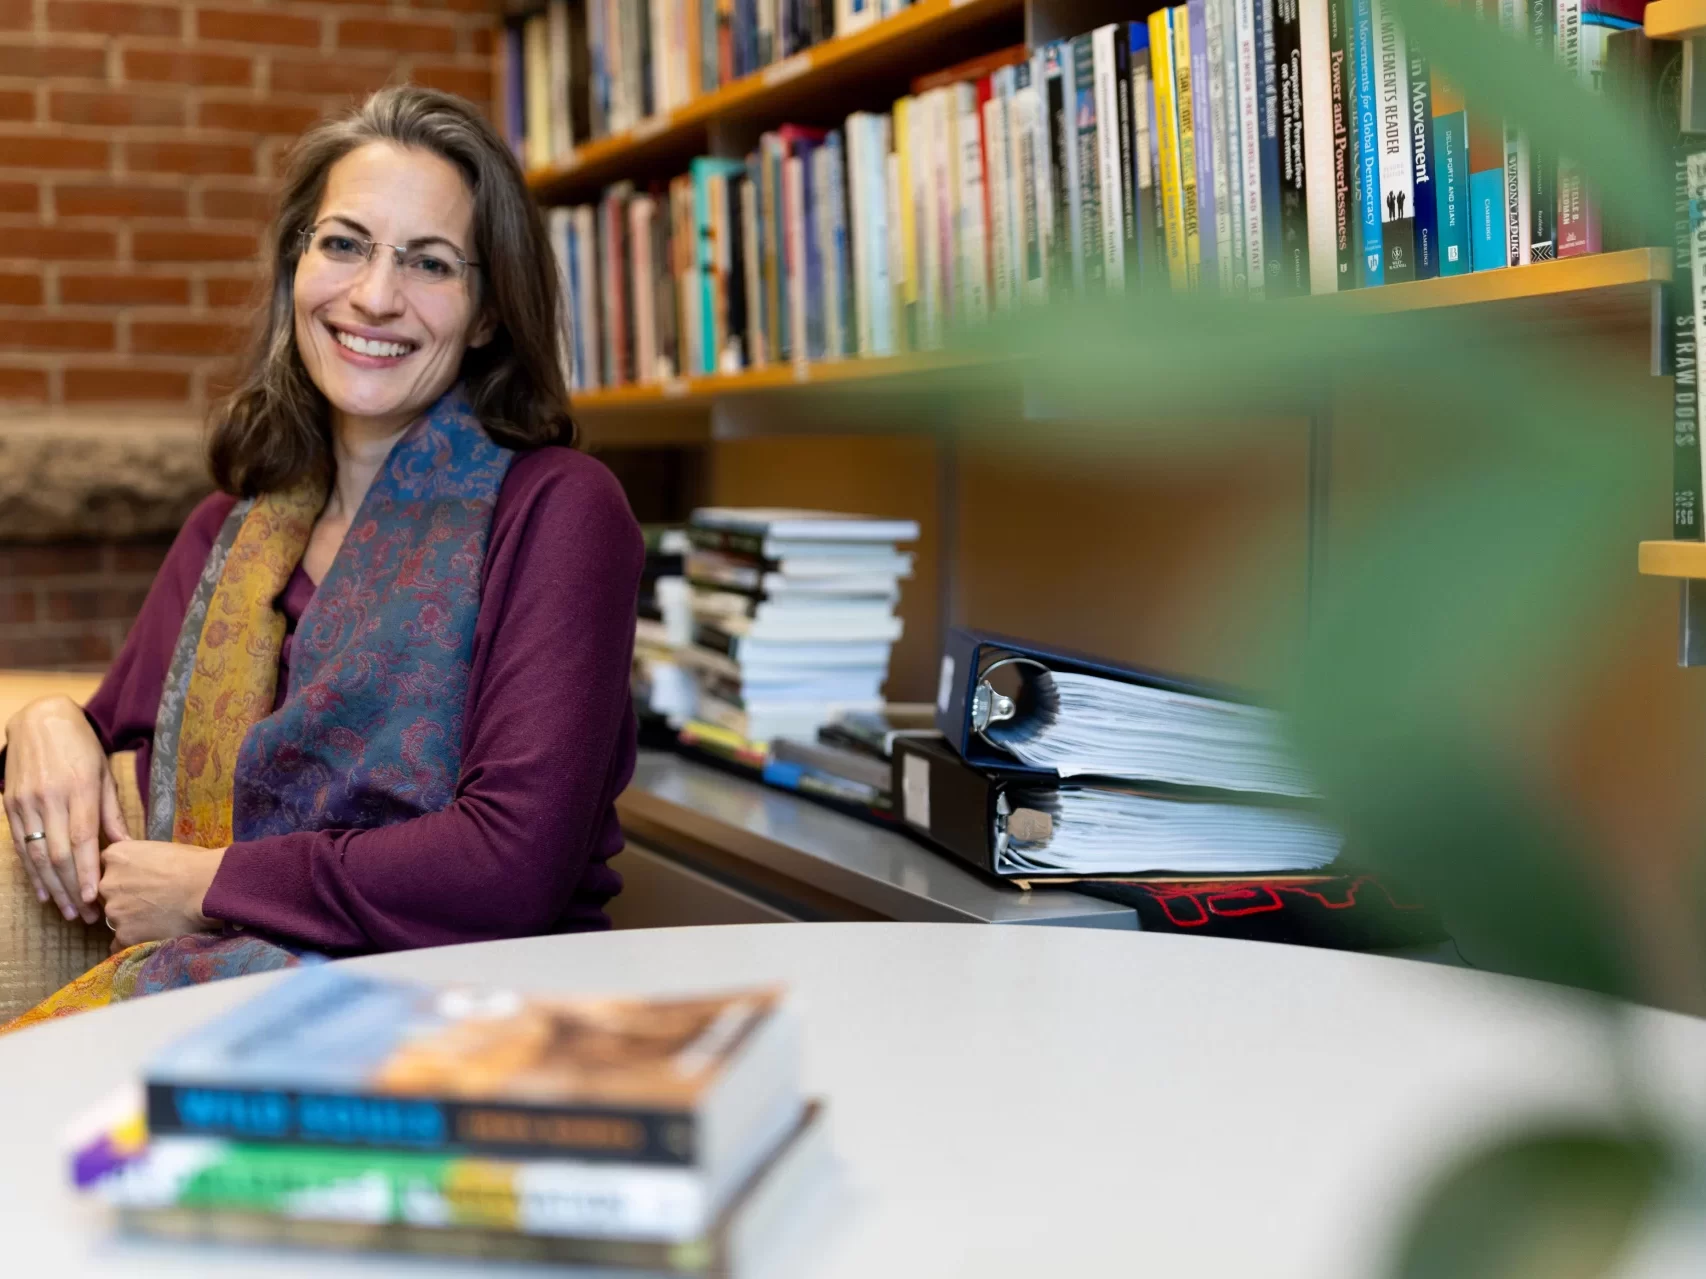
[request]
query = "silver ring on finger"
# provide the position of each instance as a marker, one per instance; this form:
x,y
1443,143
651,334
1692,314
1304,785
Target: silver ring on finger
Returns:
x,y
109,923
32,837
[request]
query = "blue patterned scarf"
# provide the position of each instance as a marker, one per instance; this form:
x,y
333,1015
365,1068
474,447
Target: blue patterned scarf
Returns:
x,y
370,729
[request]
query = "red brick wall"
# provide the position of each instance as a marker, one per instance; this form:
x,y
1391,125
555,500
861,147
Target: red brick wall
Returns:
x,y
138,145
69,606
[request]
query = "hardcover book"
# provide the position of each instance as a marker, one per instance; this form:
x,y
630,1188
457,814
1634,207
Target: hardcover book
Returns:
x,y
329,1057
229,1192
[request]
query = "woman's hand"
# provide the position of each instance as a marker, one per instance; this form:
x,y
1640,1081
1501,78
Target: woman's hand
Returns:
x,y
153,890
58,783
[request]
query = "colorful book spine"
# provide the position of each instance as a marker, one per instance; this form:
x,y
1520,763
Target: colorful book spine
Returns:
x,y
1062,164
1682,349
997,181
1087,259
1168,176
1030,174
1373,260
1268,140
1319,160
1184,81
1236,176
1397,175
1572,194
1451,181
1519,221
972,238
1543,163
859,210
1202,151
1125,161
545,1197
1110,191
1424,165
838,286
1294,180
1158,219
1342,92
907,289
877,242
1222,156
1245,29
812,204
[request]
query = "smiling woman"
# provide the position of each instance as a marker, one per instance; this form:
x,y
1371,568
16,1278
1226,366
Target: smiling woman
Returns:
x,y
378,692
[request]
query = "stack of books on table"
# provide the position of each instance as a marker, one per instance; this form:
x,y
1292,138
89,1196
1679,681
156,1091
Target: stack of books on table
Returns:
x,y
347,1111
793,621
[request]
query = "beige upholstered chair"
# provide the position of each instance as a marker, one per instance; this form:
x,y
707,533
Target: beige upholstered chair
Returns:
x,y
39,951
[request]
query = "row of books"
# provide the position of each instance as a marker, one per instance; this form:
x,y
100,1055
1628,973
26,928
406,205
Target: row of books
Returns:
x,y
342,1110
581,69
1131,157
1309,146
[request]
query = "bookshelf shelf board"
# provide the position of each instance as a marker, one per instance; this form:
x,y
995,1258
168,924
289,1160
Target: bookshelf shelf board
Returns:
x,y
698,392
1610,281
1675,19
1673,559
1606,287
840,73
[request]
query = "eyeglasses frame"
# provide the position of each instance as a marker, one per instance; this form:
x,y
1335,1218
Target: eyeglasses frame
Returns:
x,y
306,235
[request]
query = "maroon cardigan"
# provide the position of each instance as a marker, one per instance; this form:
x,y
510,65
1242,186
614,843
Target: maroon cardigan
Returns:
x,y
548,739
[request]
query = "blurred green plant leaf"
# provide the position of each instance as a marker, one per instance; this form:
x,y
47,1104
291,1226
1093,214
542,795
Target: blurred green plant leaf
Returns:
x,y
1556,1204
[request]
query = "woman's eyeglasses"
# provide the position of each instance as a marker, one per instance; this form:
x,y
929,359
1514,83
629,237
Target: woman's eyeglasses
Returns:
x,y
345,251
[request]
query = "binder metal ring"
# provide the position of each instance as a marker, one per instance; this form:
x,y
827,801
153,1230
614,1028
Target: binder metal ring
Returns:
x,y
990,707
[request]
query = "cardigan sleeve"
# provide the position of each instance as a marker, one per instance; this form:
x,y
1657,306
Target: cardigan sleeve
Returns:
x,y
547,746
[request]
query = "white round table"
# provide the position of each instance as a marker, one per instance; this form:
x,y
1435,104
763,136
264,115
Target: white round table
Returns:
x,y
1003,1101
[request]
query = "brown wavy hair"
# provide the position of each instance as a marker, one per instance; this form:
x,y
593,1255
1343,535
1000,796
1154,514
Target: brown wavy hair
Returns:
x,y
275,427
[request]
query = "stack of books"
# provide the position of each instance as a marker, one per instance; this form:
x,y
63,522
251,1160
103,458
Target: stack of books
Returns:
x,y
793,620
1134,157
343,1110
850,762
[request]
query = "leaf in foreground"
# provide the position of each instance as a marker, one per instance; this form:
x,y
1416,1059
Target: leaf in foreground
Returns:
x,y
1555,1204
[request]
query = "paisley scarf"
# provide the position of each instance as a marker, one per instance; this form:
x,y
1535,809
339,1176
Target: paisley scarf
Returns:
x,y
370,729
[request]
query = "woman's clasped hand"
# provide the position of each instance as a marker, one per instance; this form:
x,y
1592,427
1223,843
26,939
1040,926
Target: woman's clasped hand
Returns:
x,y
61,802
60,798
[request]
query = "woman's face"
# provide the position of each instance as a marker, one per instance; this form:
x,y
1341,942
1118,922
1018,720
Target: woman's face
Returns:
x,y
382,342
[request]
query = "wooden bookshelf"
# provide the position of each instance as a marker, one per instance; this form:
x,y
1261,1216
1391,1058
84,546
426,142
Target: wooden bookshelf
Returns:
x,y
1675,19
700,392
1606,288
1673,559
1602,284
822,83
